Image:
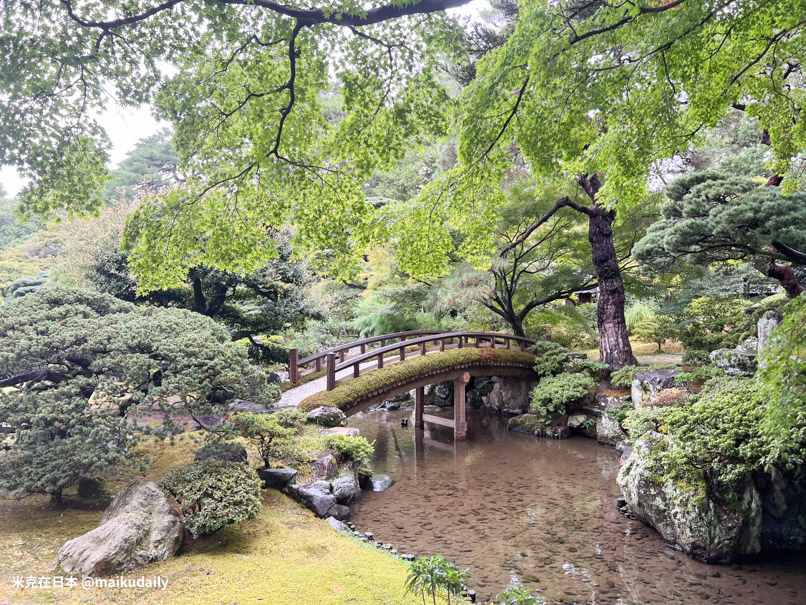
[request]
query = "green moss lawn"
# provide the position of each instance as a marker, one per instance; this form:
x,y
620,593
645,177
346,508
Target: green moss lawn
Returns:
x,y
286,556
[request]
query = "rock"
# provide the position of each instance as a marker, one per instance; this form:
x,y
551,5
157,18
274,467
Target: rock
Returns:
x,y
525,423
327,416
273,378
396,401
90,489
511,396
608,430
339,511
341,430
583,423
208,422
645,385
783,501
325,468
277,478
314,496
442,393
768,322
750,345
605,400
478,391
338,525
735,362
707,522
346,490
625,449
380,482
223,452
248,407
138,528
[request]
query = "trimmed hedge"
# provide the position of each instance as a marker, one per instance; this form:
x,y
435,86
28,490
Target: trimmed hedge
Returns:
x,y
354,389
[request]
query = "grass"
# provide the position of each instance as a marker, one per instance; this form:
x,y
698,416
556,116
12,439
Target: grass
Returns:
x,y
647,353
286,555
346,393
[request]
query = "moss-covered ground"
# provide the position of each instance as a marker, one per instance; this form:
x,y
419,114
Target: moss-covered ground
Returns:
x,y
286,556
349,391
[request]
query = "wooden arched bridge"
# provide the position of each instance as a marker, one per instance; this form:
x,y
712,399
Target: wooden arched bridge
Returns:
x,y
351,360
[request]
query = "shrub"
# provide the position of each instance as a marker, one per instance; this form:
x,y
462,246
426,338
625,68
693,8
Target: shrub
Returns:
x,y
267,433
621,411
517,595
348,448
83,365
699,375
555,394
289,418
430,575
657,329
212,494
666,397
640,421
550,357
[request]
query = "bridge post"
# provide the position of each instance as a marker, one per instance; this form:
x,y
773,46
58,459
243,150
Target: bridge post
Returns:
x,y
419,406
402,353
318,364
441,344
331,371
293,369
459,422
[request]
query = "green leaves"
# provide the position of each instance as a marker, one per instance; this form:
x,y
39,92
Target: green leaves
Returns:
x,y
213,494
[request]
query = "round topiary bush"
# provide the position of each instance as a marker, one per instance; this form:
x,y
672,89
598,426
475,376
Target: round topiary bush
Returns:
x,y
212,494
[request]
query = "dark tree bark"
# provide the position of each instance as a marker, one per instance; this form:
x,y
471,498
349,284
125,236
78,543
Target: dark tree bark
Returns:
x,y
614,345
786,276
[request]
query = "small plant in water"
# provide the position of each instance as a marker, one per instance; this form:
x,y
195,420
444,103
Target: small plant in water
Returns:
x,y
429,575
517,595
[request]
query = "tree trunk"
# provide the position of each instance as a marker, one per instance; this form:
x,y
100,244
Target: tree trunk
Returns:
x,y
56,498
786,276
614,346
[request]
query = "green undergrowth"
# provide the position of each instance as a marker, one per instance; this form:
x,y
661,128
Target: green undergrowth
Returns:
x,y
355,388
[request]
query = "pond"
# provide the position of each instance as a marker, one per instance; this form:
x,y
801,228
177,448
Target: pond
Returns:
x,y
504,504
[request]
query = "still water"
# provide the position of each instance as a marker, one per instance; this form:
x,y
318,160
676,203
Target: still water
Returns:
x,y
504,504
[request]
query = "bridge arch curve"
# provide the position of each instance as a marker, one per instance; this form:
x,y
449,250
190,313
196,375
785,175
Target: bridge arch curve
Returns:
x,y
412,363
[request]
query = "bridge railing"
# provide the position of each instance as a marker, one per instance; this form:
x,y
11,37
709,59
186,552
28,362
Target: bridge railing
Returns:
x,y
438,341
297,366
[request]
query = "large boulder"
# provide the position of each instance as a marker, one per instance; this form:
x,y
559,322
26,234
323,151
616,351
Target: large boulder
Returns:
x,y
735,362
326,467
647,384
247,406
609,431
783,498
327,416
689,510
138,528
768,322
346,490
208,422
511,396
381,482
223,452
314,496
340,512
338,525
277,478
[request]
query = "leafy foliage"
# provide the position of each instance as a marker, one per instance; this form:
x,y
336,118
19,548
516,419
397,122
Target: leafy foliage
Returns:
x,y
356,449
431,575
272,436
711,217
77,369
557,394
782,375
517,595
550,357
656,328
151,165
214,494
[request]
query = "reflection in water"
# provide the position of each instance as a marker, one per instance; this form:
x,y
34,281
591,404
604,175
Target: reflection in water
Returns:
x,y
507,504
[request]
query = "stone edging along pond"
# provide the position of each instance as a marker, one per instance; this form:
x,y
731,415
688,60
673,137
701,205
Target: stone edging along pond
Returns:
x,y
353,390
